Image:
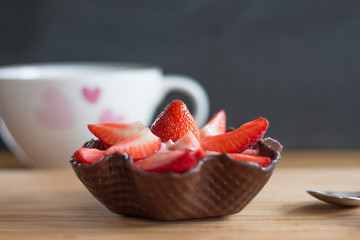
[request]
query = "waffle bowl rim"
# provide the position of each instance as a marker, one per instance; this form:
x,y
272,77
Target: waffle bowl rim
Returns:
x,y
203,161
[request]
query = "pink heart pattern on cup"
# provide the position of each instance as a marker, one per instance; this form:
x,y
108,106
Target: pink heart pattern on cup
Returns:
x,y
58,112
91,95
109,117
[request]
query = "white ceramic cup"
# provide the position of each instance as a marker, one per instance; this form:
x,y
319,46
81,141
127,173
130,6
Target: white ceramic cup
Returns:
x,y
45,107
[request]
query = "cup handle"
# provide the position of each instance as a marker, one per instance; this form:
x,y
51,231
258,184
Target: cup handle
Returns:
x,y
12,145
193,90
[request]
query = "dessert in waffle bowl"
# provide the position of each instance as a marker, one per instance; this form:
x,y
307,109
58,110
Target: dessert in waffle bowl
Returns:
x,y
173,170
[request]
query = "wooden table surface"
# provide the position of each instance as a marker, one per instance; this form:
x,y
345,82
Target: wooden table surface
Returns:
x,y
53,204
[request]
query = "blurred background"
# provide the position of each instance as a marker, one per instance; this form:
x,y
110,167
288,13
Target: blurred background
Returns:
x,y
295,63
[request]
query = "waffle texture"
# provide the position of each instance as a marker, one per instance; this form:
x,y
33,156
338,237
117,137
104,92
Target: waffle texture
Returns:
x,y
218,186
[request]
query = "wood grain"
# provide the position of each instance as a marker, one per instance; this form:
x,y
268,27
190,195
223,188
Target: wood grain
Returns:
x,y
52,204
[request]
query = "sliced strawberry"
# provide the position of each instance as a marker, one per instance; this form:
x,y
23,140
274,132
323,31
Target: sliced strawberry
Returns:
x,y
138,146
113,133
262,161
88,155
215,126
238,140
168,161
251,152
187,142
174,122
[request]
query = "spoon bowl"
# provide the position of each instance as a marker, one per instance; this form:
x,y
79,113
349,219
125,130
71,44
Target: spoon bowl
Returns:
x,y
344,199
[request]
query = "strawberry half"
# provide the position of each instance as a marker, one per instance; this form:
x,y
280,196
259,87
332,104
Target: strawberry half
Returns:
x,y
113,133
174,122
88,155
168,161
262,161
215,126
238,140
138,146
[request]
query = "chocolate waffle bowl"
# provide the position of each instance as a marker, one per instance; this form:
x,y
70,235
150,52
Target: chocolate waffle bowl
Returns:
x,y
218,186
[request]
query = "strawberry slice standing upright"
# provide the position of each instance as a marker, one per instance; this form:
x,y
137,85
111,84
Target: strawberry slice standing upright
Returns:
x,y
174,122
215,126
238,140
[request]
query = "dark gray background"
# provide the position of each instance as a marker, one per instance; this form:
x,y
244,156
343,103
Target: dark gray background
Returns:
x,y
294,62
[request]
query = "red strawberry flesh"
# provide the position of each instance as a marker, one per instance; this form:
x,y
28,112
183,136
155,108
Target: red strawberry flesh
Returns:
x,y
168,161
187,142
215,126
251,152
89,155
138,146
262,161
238,140
113,133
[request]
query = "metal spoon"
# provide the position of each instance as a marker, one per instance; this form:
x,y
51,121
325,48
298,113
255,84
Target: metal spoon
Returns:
x,y
345,199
